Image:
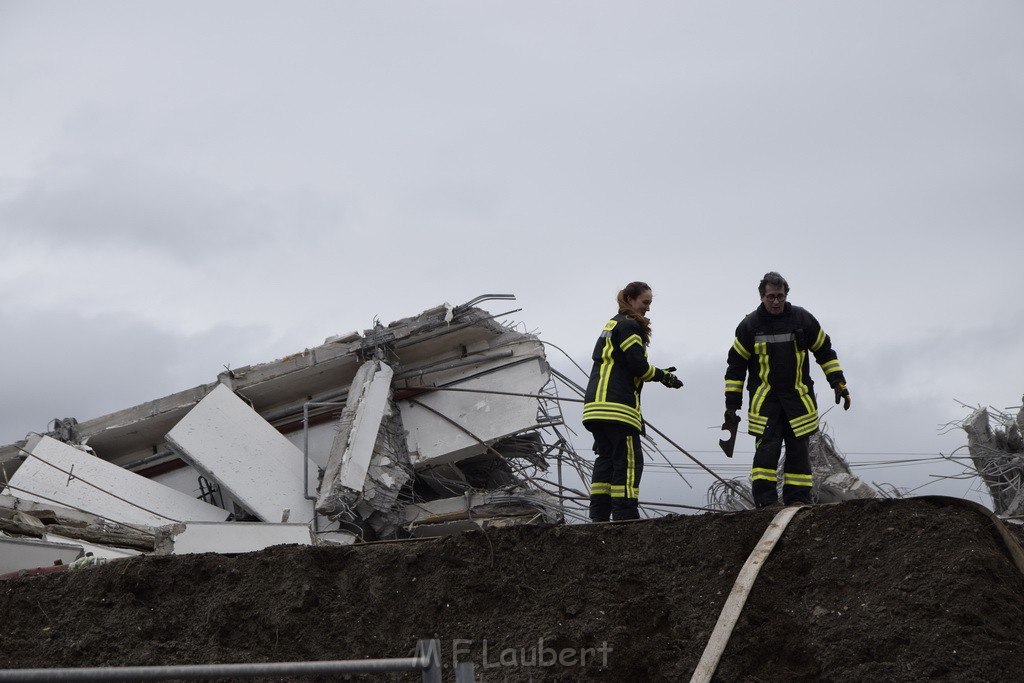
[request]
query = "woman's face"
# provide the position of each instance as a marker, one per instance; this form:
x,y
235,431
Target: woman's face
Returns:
x,y
642,303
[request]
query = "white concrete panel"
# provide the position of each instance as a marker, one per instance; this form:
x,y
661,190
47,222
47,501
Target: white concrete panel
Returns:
x,y
101,551
229,442
371,406
100,488
238,537
488,417
28,553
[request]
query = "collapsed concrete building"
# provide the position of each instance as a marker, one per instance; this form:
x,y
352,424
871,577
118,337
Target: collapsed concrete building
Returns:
x,y
997,456
433,424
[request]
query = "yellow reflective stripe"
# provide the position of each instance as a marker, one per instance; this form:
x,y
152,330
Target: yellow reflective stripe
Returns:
x,y
798,479
801,389
600,489
649,375
831,366
819,341
631,489
612,412
756,424
805,425
757,420
803,419
763,474
618,492
762,391
630,341
734,385
740,350
606,370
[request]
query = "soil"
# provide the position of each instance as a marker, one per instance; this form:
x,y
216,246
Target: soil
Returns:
x,y
886,590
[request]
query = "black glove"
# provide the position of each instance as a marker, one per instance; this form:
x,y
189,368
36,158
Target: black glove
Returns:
x,y
670,380
731,417
842,393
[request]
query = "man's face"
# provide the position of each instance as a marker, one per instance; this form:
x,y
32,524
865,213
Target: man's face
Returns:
x,y
774,299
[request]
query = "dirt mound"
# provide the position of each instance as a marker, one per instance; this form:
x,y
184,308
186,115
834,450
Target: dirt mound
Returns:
x,y
894,590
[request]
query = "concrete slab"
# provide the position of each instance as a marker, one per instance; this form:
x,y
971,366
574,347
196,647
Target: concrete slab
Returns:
x,y
354,446
27,553
238,537
372,404
58,473
229,442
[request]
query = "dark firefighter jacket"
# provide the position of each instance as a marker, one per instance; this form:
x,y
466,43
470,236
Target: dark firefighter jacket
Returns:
x,y
771,351
620,370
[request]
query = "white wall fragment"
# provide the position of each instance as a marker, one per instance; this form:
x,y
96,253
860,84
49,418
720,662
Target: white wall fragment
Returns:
x,y
229,442
453,424
61,474
29,553
238,537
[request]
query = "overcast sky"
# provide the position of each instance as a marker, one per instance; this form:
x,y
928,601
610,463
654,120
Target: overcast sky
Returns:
x,y
191,185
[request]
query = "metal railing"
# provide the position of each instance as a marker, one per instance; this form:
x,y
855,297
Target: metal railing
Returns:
x,y
427,660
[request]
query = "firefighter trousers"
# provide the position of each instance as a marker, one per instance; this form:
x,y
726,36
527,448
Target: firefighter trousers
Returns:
x,y
615,487
797,483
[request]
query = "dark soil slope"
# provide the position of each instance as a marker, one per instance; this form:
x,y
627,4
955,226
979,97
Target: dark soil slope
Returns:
x,y
895,590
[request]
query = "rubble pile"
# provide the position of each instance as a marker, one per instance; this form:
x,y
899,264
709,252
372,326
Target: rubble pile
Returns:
x,y
997,455
431,425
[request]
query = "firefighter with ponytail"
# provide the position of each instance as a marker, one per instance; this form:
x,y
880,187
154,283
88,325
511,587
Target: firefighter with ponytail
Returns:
x,y
611,410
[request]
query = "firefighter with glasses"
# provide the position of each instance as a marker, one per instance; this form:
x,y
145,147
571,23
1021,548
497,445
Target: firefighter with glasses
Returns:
x,y
772,351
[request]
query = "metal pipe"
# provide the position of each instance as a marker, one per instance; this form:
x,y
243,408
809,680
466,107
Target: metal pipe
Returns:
x,y
211,671
148,459
305,454
430,387
427,660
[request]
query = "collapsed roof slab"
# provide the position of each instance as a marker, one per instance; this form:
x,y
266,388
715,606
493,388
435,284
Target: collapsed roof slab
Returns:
x,y
230,443
279,386
58,473
447,426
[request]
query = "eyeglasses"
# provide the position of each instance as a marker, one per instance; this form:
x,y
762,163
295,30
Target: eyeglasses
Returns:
x,y
775,297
